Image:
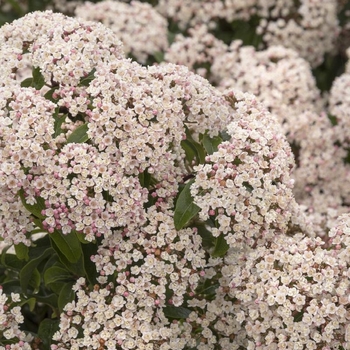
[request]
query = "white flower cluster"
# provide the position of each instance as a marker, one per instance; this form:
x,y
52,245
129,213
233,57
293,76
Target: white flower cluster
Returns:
x,y
197,51
278,77
10,321
309,27
138,25
245,187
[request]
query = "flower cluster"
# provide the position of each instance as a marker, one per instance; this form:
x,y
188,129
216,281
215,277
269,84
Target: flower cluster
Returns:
x,y
309,27
144,274
196,51
138,25
11,337
278,77
245,185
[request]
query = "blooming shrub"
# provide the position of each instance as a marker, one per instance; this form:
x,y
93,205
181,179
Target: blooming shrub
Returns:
x,y
143,208
138,25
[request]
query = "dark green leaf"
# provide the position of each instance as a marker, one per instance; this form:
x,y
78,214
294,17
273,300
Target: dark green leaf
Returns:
x,y
49,299
34,209
38,78
68,245
159,56
49,94
55,274
176,312
30,271
30,302
189,149
79,135
77,268
46,331
59,120
221,247
22,251
211,143
11,261
85,81
185,208
27,82
66,295
208,240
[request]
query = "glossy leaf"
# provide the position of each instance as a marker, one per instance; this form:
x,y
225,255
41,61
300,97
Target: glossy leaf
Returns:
x,y
22,251
66,295
55,274
46,331
38,79
34,209
68,245
27,82
185,208
221,247
49,94
85,81
211,143
79,135
29,270
208,239
176,312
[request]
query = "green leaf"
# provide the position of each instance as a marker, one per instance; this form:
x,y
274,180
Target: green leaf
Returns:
x,y
49,94
159,56
185,208
27,82
208,239
221,247
66,295
59,120
211,143
176,312
30,271
68,245
79,135
207,288
89,266
30,302
55,273
190,150
34,209
22,251
85,81
196,147
46,331
49,299
11,261
38,78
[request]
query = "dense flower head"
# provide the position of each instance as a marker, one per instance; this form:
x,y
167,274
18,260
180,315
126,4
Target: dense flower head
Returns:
x,y
321,175
64,50
296,291
278,77
309,27
10,320
145,112
196,51
245,186
26,143
339,104
138,25
143,272
291,293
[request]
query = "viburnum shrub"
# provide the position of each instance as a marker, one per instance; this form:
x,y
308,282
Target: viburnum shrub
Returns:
x,y
142,208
